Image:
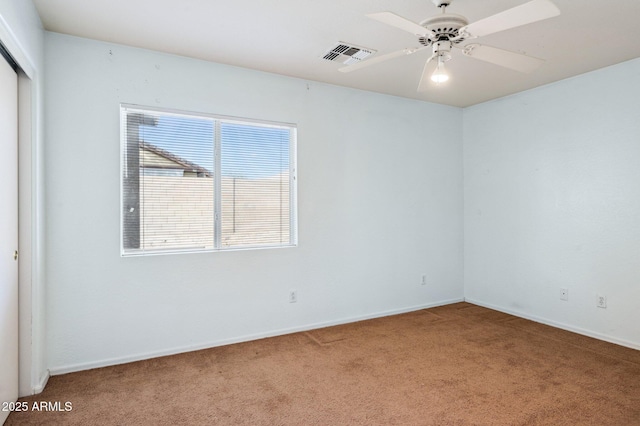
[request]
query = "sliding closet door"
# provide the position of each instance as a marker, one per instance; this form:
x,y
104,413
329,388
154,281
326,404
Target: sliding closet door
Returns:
x,y
8,236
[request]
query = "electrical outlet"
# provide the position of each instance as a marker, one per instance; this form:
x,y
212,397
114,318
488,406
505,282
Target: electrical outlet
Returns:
x,y
424,279
564,294
601,301
293,296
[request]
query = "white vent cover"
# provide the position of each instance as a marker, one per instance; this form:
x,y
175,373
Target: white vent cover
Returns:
x,y
347,53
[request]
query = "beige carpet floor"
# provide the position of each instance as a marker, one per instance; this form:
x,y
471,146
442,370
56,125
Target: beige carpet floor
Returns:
x,y
459,364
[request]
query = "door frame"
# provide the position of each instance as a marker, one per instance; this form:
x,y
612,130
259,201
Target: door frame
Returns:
x,y
9,365
32,373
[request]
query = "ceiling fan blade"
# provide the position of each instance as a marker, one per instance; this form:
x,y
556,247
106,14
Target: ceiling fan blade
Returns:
x,y
426,75
533,11
400,22
378,59
504,58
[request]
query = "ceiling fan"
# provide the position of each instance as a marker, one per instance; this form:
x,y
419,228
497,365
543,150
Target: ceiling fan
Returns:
x,y
446,31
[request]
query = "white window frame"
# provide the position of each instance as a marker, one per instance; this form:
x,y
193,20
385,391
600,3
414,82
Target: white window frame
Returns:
x,y
293,180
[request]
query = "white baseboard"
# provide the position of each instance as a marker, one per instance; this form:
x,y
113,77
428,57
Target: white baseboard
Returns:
x,y
173,351
556,324
39,387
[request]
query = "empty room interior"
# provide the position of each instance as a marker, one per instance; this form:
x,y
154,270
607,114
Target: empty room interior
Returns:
x,y
295,212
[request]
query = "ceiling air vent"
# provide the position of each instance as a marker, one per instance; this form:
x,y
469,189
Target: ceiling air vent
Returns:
x,y
347,53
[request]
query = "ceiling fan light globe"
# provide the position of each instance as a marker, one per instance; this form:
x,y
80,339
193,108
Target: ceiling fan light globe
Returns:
x,y
439,78
440,74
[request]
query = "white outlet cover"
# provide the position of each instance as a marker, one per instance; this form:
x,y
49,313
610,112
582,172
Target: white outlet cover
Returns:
x,y
564,294
601,301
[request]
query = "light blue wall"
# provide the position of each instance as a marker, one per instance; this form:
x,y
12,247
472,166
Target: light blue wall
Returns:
x,y
552,201
380,204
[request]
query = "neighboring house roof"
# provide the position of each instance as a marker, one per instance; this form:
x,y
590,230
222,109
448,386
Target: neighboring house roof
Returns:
x,y
179,161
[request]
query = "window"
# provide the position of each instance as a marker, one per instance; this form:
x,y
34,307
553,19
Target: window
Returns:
x,y
196,182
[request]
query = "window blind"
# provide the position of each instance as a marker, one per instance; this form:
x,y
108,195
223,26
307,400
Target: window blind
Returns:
x,y
194,182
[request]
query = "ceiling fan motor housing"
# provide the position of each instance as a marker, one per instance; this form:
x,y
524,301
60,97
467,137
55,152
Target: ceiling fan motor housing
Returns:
x,y
442,3
445,27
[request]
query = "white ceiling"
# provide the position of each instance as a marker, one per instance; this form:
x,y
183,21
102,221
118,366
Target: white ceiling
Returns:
x,y
289,37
